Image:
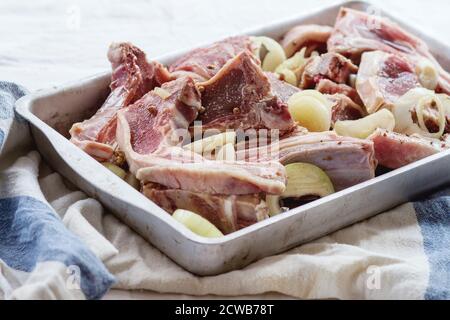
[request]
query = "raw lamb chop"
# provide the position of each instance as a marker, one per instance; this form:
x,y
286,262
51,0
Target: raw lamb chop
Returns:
x,y
332,66
215,177
311,36
383,78
150,131
240,96
227,212
132,77
356,32
203,63
394,150
347,161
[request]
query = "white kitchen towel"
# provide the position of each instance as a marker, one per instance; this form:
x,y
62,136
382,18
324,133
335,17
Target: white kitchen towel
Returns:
x,y
400,254
39,257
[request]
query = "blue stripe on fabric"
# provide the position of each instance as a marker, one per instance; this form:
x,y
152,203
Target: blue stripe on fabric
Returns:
x,y
433,215
30,233
9,93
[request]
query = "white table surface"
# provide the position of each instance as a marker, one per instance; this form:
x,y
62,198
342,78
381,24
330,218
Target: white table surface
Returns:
x,y
47,42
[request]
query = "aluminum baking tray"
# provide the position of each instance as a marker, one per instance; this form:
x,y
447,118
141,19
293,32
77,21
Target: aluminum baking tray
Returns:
x,y
51,113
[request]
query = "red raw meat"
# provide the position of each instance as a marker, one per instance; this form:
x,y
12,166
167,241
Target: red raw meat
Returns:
x,y
383,78
205,62
132,77
394,150
240,96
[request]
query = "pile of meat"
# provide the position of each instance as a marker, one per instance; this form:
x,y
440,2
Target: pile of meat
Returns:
x,y
151,107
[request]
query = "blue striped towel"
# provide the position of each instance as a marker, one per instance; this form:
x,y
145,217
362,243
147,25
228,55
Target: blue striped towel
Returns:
x,y
403,253
39,257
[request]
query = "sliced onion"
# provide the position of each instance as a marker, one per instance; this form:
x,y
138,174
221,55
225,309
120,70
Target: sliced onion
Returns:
x,y
445,99
416,100
311,110
269,51
423,102
314,94
352,80
364,127
210,143
118,171
197,223
288,76
303,179
226,153
427,73
292,68
273,204
161,92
